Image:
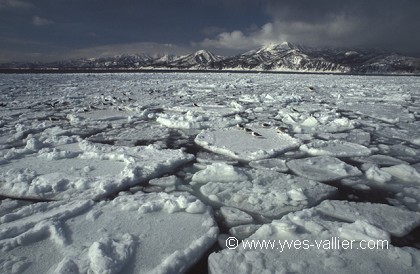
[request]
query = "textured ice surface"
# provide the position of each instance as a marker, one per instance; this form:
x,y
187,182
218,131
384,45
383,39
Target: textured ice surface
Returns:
x,y
322,168
242,145
233,216
199,117
381,160
337,148
96,171
271,164
131,234
404,173
395,220
266,192
44,118
318,249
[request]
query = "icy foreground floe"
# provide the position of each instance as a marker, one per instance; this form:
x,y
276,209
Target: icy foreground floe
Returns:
x,y
263,192
140,233
305,241
241,145
89,170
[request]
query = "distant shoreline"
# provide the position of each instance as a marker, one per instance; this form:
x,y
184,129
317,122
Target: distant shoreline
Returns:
x,y
78,70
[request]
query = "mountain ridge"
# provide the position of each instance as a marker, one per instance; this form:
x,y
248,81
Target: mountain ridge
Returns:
x,y
283,57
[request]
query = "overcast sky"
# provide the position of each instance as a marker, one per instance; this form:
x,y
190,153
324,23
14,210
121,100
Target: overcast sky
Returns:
x,y
47,30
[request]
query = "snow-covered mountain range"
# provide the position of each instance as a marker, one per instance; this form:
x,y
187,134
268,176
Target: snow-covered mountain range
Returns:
x,y
274,57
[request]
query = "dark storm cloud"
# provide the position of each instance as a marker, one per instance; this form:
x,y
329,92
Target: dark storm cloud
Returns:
x,y
72,27
57,29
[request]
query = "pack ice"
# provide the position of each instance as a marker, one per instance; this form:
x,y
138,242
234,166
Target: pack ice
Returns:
x,y
136,172
82,169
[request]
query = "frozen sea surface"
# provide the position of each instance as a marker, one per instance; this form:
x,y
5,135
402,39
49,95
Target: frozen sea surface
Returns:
x,y
153,172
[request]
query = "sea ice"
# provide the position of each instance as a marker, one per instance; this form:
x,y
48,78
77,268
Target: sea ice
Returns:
x,y
336,148
234,216
305,241
396,221
267,192
243,231
238,144
322,168
131,234
271,164
404,173
380,160
199,117
356,136
95,172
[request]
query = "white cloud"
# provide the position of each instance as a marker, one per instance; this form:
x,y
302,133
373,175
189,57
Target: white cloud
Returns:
x,y
331,32
14,4
39,21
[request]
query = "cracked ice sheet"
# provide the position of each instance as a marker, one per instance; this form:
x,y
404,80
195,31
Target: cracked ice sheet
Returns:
x,y
140,233
95,171
309,225
265,192
322,168
238,144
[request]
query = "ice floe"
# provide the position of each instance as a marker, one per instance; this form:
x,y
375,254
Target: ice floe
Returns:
x,y
322,168
336,148
396,221
271,164
132,234
234,217
266,192
404,173
96,171
305,241
241,145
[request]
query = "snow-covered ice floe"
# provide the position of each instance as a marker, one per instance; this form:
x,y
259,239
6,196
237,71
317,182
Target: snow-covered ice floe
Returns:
x,y
139,233
396,221
242,145
336,148
265,192
322,168
307,242
199,117
87,171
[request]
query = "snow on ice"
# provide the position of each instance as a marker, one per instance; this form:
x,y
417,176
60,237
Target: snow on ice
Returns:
x,y
263,192
322,168
242,145
97,170
129,172
127,234
305,241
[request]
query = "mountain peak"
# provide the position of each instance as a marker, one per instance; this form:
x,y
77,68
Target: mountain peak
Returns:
x,y
275,47
202,51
